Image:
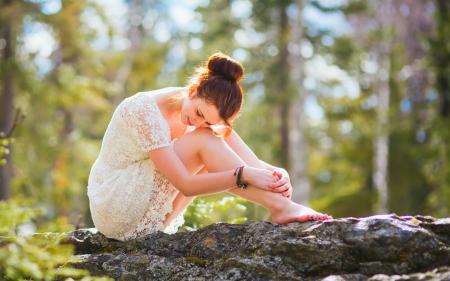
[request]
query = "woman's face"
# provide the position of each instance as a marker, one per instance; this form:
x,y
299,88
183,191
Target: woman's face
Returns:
x,y
196,112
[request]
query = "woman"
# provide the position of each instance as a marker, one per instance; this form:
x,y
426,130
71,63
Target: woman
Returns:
x,y
162,148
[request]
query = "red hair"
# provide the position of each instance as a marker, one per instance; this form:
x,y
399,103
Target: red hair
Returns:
x,y
217,84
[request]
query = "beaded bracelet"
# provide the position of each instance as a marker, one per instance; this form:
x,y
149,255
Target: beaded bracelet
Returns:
x,y
238,173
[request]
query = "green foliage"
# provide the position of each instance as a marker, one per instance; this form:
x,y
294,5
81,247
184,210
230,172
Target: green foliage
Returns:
x,y
4,150
202,212
14,212
436,168
33,257
355,6
341,170
435,154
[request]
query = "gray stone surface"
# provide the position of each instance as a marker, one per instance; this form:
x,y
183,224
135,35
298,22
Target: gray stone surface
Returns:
x,y
384,247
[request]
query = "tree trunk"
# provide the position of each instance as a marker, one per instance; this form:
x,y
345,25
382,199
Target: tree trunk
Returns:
x,y
298,121
443,58
381,143
283,86
7,110
381,87
135,37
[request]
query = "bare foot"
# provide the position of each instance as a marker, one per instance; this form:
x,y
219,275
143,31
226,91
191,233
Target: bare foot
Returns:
x,y
294,212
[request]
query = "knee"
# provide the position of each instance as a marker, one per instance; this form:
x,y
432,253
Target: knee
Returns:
x,y
202,138
208,140
205,134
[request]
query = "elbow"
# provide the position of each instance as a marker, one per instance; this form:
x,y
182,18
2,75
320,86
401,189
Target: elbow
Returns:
x,y
186,193
184,186
185,190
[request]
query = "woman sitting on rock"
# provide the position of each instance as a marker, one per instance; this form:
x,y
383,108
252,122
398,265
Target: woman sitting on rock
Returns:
x,y
162,148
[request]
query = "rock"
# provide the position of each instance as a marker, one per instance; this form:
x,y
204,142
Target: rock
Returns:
x,y
384,247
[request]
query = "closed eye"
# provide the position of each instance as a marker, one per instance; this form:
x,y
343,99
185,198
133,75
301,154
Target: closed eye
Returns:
x,y
201,115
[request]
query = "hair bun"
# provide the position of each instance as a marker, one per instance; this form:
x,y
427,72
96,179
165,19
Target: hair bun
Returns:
x,y
222,64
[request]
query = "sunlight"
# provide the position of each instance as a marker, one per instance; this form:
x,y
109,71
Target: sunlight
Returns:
x,y
318,68
241,8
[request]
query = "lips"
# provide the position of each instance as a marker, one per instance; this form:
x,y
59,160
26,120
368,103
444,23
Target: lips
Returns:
x,y
189,122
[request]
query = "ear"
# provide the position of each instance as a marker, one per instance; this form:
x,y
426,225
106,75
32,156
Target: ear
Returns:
x,y
192,89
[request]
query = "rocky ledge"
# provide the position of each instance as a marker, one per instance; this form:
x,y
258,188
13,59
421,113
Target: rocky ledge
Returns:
x,y
385,247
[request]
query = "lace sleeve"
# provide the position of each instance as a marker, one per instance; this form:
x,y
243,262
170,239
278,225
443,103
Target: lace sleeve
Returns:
x,y
148,126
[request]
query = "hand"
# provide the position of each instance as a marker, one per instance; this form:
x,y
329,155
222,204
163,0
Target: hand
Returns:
x,y
260,178
283,184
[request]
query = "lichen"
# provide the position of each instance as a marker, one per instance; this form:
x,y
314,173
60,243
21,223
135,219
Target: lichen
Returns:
x,y
197,261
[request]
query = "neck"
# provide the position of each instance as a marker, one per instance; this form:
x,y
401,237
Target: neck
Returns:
x,y
172,102
170,105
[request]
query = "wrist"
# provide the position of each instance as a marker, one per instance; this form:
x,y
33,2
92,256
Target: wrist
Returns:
x,y
245,174
239,174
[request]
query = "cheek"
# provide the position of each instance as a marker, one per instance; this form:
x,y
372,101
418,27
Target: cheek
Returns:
x,y
186,111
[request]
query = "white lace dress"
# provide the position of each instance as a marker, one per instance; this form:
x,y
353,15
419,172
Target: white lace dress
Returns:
x,y
128,196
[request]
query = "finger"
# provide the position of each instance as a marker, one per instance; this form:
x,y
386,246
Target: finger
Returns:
x,y
288,193
279,182
274,183
277,174
281,189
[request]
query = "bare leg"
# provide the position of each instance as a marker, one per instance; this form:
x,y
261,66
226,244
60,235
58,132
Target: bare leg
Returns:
x,y
180,203
284,212
200,149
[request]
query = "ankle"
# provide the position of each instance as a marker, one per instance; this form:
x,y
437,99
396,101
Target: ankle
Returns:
x,y
278,206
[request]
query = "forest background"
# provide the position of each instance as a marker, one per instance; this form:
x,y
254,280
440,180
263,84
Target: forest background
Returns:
x,y
352,97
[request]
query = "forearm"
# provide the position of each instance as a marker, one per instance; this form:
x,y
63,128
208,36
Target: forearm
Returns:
x,y
270,167
210,183
205,184
188,182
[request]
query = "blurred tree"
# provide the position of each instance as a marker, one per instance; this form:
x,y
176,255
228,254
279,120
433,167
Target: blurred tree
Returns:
x,y
298,121
441,54
358,53
7,93
144,59
59,91
436,129
11,15
382,51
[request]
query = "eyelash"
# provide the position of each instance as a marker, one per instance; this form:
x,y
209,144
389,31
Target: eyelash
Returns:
x,y
198,113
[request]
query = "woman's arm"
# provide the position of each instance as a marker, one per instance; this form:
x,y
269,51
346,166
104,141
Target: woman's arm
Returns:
x,y
172,168
283,185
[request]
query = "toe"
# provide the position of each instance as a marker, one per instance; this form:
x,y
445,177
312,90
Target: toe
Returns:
x,y
327,217
304,218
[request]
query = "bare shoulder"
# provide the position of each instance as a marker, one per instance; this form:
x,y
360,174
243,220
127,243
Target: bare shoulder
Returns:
x,y
164,93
